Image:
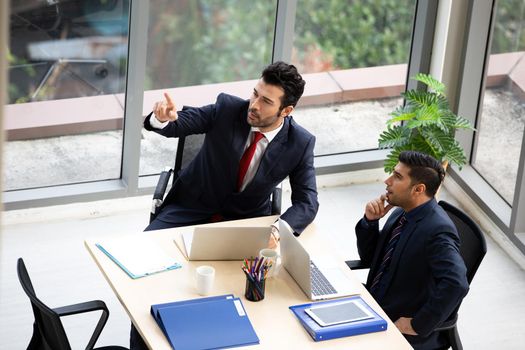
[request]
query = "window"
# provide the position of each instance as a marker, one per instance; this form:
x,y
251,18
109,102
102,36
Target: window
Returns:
x,y
67,70
497,154
358,52
201,42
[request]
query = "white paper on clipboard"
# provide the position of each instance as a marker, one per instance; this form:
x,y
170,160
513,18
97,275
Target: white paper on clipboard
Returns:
x,y
137,255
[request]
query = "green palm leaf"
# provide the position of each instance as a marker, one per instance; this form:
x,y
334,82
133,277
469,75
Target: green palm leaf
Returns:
x,y
419,98
391,161
455,155
394,137
420,144
431,82
462,123
439,140
393,158
401,117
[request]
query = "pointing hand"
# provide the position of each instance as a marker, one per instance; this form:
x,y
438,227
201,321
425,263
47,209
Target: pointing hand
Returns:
x,y
165,110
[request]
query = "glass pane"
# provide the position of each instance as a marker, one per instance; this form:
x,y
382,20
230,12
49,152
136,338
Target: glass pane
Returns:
x,y
500,128
359,47
196,43
67,73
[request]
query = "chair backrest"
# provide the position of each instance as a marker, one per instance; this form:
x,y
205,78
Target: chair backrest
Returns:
x,y
49,333
187,149
473,246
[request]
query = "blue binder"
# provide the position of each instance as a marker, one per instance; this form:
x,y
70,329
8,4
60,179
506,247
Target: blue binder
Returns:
x,y
155,308
212,323
318,333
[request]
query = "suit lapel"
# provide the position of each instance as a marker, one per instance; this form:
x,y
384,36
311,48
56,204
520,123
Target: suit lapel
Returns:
x,y
410,227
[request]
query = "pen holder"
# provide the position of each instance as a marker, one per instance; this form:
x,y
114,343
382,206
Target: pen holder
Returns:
x,y
254,289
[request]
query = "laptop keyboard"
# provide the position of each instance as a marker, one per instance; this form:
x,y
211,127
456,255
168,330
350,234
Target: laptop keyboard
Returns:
x,y
320,285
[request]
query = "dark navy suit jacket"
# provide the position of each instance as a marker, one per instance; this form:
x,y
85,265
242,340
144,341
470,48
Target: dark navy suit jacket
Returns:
x,y
426,279
211,178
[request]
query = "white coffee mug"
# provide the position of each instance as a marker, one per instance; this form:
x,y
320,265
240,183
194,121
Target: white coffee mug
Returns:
x,y
272,257
205,277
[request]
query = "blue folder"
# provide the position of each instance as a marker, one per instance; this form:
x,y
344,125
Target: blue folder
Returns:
x,y
318,333
208,323
155,308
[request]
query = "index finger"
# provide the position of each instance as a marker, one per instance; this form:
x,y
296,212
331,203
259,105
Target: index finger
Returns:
x,y
169,100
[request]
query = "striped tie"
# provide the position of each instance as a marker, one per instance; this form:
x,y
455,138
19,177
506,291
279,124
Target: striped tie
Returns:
x,y
394,238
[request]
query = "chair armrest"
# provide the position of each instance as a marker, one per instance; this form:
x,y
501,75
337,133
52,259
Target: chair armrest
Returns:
x,y
160,190
448,324
277,195
89,306
356,265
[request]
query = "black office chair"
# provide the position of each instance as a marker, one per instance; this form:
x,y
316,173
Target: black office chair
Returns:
x,y
48,331
473,248
187,149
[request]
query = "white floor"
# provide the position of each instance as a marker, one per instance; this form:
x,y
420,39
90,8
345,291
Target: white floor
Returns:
x,y
51,242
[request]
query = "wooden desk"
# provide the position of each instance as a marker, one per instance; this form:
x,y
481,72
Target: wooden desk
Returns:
x,y
274,323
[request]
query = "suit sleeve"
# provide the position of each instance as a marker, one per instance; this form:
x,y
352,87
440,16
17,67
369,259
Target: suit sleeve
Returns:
x,y
367,233
191,120
304,192
449,272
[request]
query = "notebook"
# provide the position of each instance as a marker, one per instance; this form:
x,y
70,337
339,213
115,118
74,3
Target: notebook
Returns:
x,y
225,243
137,255
319,277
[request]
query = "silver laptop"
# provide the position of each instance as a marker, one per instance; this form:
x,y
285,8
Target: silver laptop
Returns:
x,y
225,243
319,278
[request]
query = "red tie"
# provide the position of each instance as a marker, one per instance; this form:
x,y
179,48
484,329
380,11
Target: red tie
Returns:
x,y
247,158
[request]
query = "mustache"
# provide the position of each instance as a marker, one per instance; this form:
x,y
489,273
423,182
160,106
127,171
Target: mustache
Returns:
x,y
253,111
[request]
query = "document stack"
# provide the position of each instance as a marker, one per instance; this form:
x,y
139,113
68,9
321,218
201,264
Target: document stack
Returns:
x,y
207,323
338,318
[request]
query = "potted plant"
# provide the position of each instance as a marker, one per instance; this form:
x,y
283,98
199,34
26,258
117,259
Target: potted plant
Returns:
x,y
425,124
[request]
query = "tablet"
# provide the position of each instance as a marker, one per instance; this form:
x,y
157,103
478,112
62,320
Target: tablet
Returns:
x,y
349,311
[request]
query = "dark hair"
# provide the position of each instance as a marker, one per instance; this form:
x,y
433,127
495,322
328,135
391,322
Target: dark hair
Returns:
x,y
285,76
423,169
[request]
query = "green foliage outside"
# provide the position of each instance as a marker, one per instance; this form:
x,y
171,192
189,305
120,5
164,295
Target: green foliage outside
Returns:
x,y
209,41
335,34
509,31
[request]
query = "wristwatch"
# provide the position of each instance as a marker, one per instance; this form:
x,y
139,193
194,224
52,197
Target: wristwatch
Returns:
x,y
275,233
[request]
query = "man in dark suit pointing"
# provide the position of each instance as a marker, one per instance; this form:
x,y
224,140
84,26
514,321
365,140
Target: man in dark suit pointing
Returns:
x,y
417,274
250,147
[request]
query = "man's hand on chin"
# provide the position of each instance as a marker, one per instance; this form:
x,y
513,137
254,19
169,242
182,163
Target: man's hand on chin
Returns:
x,y
404,325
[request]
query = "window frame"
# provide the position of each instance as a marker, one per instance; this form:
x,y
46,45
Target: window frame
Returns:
x,y
131,184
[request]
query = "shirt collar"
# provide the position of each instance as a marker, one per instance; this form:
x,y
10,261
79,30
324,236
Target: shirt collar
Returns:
x,y
411,215
269,135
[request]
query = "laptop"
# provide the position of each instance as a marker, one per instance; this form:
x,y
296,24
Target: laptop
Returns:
x,y
319,278
225,243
